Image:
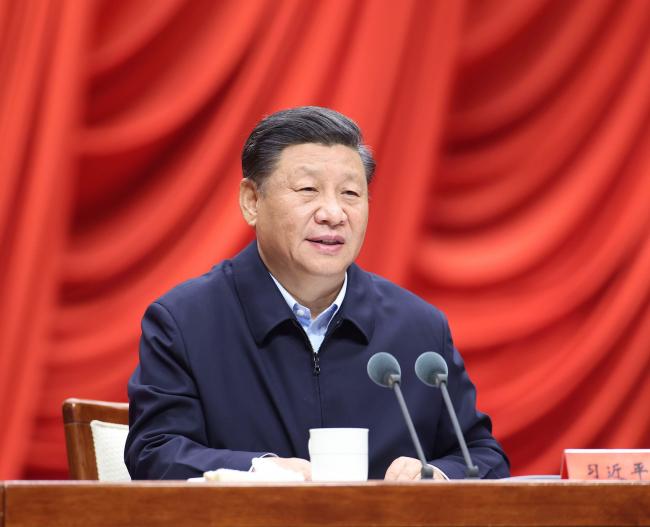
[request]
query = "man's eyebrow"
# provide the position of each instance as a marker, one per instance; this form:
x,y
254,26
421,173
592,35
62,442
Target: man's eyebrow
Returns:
x,y
312,171
350,175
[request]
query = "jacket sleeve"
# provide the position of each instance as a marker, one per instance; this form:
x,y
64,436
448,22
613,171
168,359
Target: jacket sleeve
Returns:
x,y
484,450
167,430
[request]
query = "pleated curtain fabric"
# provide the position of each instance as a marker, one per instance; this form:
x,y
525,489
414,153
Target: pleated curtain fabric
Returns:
x,y
512,190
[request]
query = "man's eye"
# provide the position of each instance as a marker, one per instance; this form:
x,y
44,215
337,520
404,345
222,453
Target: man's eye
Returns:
x,y
351,193
307,189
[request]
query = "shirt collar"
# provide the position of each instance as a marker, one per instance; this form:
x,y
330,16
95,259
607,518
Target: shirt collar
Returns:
x,y
265,308
294,305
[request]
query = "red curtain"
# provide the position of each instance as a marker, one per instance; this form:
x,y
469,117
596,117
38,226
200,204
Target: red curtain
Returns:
x,y
512,191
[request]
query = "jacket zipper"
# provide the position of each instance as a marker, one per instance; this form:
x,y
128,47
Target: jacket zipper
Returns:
x,y
316,360
315,356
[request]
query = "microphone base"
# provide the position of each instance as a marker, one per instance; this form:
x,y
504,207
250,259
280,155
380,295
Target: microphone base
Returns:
x,y
426,472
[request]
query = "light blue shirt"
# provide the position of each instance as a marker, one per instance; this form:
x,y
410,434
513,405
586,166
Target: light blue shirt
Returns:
x,y
316,328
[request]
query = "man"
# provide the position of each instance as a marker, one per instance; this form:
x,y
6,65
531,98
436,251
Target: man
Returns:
x,y
242,361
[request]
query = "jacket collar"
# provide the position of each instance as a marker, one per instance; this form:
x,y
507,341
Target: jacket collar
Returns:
x,y
265,309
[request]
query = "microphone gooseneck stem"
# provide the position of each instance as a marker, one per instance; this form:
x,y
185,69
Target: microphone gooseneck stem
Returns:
x,y
427,471
472,470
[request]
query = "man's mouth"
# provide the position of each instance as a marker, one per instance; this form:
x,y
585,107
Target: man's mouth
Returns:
x,y
327,240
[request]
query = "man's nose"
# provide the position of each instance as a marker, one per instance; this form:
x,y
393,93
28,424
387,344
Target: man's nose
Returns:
x,y
330,211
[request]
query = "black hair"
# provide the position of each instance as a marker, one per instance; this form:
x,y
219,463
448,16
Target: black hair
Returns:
x,y
295,126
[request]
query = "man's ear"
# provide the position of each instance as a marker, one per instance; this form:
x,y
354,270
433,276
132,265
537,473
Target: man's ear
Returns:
x,y
249,195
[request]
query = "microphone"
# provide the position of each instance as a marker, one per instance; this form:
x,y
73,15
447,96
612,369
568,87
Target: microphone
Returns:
x,y
432,370
384,370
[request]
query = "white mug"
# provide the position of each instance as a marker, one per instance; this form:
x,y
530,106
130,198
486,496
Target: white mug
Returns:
x,y
338,454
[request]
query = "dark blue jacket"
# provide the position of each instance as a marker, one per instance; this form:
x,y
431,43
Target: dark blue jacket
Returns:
x,y
226,373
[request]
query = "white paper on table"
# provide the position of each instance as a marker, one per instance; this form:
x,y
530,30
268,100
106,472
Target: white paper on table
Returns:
x,y
263,470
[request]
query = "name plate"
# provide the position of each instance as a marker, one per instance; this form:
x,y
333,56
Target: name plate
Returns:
x,y
606,464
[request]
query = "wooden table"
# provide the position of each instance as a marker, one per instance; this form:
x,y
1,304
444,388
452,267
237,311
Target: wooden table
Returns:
x,y
502,503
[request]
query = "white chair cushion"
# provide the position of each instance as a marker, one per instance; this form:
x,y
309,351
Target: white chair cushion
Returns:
x,y
109,440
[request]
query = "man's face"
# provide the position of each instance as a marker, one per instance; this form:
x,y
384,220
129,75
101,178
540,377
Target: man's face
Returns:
x,y
312,211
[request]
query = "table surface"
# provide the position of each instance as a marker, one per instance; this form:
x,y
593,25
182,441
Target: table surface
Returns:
x,y
457,503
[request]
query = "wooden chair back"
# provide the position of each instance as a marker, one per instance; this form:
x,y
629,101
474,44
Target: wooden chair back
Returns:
x,y
77,415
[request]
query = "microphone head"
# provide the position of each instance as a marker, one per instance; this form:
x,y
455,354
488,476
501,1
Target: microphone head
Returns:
x,y
431,368
384,369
